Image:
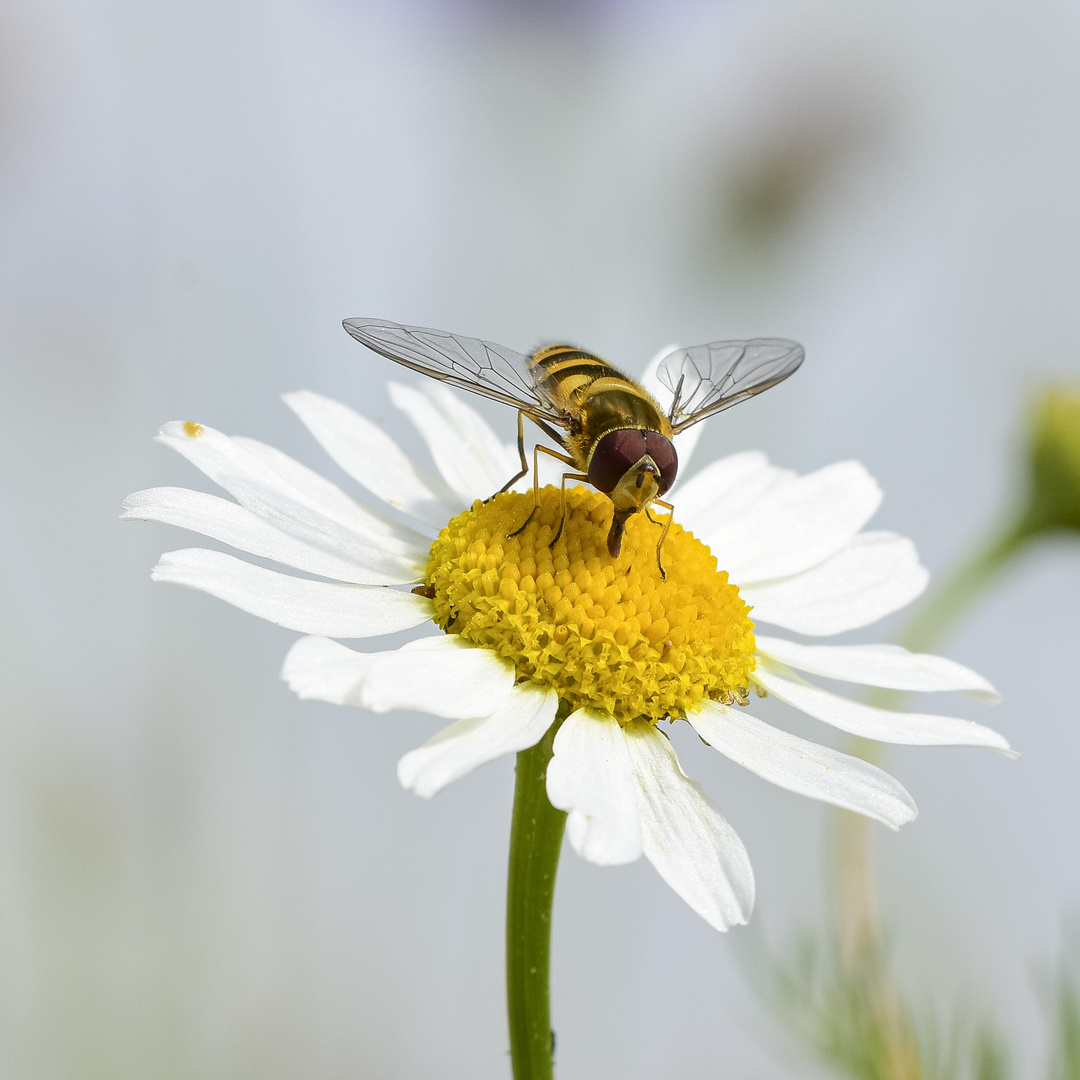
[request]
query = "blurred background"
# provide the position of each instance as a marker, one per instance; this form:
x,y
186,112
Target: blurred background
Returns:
x,y
202,877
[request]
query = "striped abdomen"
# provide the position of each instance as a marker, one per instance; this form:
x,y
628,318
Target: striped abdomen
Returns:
x,y
598,397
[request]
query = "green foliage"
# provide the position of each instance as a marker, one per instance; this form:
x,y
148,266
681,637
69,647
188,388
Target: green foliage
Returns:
x,y
847,1011
1064,1008
971,1048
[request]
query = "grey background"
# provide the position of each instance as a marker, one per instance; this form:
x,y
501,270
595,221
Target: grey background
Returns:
x,y
201,876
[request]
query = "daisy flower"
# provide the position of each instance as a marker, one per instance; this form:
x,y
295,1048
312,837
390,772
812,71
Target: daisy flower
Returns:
x,y
520,635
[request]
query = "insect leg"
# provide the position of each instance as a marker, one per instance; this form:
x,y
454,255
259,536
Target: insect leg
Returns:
x,y
562,517
521,454
663,535
537,450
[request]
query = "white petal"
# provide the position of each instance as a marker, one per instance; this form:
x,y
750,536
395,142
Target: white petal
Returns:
x,y
591,777
373,459
233,524
686,838
318,669
726,489
889,666
293,497
917,729
442,675
804,767
313,607
876,574
796,525
686,443
326,497
474,462
520,722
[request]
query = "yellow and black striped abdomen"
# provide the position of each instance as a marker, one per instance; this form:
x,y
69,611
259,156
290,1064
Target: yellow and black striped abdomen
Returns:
x,y
598,397
562,372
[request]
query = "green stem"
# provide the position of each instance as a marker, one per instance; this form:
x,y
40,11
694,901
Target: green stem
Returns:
x,y
952,598
535,841
945,605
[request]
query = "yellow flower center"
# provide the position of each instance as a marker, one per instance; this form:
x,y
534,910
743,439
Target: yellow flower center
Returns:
x,y
608,633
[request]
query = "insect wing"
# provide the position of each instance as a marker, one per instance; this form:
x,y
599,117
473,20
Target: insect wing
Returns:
x,y
707,379
481,367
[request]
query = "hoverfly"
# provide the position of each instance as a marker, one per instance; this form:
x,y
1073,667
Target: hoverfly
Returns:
x,y
613,432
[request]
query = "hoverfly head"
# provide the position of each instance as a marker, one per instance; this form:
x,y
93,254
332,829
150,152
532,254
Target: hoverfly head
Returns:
x,y
633,467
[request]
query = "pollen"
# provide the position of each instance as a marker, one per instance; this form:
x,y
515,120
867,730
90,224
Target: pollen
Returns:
x,y
613,634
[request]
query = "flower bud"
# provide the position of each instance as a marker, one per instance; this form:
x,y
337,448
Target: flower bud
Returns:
x,y
1054,461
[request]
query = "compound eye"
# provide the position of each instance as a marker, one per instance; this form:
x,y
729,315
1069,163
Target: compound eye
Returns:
x,y
616,452
662,451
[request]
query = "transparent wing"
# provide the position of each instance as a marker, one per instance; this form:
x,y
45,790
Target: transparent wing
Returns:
x,y
480,367
707,379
